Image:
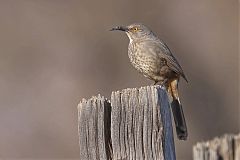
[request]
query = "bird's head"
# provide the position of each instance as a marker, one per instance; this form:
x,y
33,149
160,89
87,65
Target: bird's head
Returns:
x,y
135,31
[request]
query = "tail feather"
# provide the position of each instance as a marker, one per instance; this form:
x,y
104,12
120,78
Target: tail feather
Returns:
x,y
177,110
180,123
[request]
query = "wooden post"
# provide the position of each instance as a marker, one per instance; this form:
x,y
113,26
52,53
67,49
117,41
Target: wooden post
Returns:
x,y
226,147
135,125
94,128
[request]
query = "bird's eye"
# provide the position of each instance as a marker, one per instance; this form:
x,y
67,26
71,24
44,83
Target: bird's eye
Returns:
x,y
134,29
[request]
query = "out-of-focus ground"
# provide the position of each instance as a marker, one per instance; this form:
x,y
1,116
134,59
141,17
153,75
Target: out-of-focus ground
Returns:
x,y
55,52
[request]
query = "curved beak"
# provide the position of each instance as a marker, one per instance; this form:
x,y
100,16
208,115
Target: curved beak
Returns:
x,y
120,28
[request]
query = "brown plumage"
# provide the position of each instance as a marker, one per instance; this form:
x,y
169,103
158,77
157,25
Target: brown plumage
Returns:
x,y
152,57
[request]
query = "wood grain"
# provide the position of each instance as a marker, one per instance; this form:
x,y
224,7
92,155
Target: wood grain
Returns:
x,y
135,125
226,147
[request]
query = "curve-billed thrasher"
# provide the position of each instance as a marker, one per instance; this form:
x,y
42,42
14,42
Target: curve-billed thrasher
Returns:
x,y
152,57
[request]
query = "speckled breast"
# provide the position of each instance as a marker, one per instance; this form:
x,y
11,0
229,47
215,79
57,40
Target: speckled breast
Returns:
x,y
147,64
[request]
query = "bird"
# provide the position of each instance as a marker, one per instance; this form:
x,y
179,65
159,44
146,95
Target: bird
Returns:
x,y
150,56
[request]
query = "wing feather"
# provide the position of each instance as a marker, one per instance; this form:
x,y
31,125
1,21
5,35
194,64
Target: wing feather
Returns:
x,y
160,49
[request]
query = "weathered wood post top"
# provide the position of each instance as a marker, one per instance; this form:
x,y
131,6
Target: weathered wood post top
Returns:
x,y
135,124
226,147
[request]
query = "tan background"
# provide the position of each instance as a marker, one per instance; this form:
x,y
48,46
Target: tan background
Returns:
x,y
55,52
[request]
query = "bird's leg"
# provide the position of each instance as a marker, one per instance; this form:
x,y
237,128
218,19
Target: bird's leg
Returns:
x,y
162,84
155,82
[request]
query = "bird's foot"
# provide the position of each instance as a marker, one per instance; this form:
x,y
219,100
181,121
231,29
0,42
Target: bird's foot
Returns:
x,y
163,83
155,82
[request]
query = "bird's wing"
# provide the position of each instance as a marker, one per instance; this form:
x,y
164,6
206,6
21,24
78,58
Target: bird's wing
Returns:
x,y
159,48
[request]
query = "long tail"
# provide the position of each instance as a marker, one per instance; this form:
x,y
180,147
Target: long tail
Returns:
x,y
180,123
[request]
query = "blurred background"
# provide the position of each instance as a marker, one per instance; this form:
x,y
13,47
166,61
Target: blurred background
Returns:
x,y
56,52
